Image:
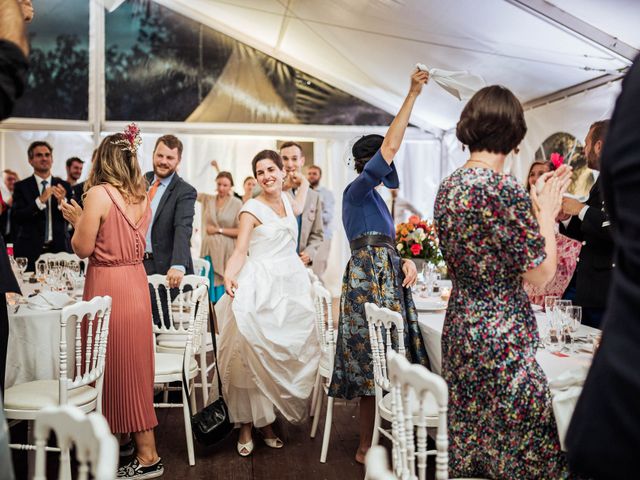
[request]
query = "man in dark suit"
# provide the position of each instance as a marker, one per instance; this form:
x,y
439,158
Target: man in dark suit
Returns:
x,y
168,250
604,434
590,225
40,226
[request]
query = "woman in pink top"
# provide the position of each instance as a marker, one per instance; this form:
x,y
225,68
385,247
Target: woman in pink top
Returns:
x,y
111,232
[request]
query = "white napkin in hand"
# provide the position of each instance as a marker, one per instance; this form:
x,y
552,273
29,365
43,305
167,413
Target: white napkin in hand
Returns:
x,y
565,391
461,84
49,301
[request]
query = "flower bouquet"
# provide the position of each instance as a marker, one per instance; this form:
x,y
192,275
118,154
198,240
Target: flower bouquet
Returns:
x,y
417,240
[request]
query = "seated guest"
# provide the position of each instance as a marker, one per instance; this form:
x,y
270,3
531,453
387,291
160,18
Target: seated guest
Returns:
x,y
9,180
375,272
219,229
590,225
40,226
567,250
269,351
501,423
111,232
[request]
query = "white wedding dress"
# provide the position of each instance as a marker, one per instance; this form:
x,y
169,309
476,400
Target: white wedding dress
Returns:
x,y
269,352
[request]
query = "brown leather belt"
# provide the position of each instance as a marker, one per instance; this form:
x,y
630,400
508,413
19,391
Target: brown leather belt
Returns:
x,y
373,241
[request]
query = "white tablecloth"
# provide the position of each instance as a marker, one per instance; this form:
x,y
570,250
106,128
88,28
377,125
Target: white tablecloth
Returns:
x,y
431,324
34,344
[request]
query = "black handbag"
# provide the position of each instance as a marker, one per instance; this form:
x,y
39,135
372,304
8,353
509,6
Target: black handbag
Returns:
x,y
211,425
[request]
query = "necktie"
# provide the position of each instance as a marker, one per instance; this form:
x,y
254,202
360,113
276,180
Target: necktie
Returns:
x,y
46,213
153,190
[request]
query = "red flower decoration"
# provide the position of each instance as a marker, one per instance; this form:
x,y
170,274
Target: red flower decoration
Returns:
x,y
416,248
414,220
556,159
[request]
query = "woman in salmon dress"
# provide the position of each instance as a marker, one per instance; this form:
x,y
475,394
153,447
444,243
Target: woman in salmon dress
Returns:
x,y
111,232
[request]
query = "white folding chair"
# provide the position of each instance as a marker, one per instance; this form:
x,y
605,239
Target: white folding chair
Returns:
x,y
171,333
381,321
95,447
84,390
174,367
377,465
326,338
201,267
63,257
413,389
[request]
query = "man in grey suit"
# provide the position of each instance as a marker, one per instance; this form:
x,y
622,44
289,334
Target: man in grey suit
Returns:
x,y
168,249
310,234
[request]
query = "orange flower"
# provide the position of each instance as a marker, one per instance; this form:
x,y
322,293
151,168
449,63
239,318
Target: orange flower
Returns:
x,y
414,219
404,232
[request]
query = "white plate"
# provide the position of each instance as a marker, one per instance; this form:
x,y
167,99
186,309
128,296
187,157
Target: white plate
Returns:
x,y
429,305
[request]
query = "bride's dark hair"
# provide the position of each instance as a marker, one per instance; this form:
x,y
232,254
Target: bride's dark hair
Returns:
x,y
266,155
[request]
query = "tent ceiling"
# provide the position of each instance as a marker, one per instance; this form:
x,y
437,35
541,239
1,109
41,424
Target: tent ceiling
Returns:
x,y
368,47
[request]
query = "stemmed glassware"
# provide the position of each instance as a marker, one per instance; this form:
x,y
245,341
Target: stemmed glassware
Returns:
x,y
22,262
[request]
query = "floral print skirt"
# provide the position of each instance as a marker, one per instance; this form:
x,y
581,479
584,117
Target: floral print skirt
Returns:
x,y
373,274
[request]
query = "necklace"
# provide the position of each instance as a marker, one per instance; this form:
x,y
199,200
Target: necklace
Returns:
x,y
484,162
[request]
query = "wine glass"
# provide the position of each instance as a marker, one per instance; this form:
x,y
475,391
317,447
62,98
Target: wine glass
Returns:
x,y
22,263
574,317
549,302
41,270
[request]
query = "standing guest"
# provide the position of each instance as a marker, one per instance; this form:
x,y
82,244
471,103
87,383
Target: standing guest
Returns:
x,y
400,206
590,225
375,273
604,433
168,250
314,175
219,229
36,217
9,180
567,249
249,185
111,232
74,170
269,352
310,220
501,423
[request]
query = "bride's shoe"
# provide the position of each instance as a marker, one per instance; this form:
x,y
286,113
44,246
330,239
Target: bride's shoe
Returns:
x,y
245,449
272,442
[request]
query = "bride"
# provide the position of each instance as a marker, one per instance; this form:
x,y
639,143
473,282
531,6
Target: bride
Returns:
x,y
269,353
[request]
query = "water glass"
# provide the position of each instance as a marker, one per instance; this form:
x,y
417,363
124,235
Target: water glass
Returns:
x,y
41,271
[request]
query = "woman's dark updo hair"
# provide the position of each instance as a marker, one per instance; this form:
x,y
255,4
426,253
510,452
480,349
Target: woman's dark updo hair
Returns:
x,y
266,155
493,120
365,148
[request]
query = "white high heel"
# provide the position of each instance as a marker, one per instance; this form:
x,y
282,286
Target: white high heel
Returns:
x,y
272,442
245,449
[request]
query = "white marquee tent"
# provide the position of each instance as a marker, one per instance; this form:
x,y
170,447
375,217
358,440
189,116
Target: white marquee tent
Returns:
x,y
563,58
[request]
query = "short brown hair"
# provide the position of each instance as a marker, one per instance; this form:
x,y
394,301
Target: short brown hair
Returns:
x,y
266,155
493,120
247,179
316,167
8,171
36,144
292,144
226,175
170,141
599,130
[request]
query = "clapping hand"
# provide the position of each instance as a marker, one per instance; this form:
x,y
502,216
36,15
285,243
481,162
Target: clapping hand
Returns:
x,y
292,180
60,193
71,211
548,202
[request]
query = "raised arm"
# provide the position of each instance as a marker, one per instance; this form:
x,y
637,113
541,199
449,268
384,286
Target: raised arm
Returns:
x,y
247,223
395,134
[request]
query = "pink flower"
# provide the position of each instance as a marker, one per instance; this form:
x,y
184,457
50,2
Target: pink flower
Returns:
x,y
556,159
416,248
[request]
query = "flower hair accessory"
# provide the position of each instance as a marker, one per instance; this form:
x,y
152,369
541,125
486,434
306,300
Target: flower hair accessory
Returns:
x,y
131,140
556,159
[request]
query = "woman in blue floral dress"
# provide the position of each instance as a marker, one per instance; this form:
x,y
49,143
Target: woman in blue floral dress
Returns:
x,y
375,273
492,236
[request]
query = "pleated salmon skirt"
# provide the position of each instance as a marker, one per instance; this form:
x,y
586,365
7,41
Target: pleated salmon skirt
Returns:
x,y
116,269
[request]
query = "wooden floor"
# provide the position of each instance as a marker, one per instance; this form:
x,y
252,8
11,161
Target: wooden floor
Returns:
x,y
299,459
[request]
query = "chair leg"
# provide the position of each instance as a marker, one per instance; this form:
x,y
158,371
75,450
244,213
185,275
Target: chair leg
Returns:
x,y
192,396
187,426
203,376
165,395
327,431
376,425
314,394
65,464
316,413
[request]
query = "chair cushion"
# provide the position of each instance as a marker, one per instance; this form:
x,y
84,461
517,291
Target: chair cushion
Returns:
x,y
170,363
432,406
44,393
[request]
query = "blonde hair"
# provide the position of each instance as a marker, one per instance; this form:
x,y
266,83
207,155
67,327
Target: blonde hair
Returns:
x,y
119,168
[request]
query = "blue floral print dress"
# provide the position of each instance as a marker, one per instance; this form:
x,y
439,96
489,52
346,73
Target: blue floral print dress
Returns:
x,y
501,423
